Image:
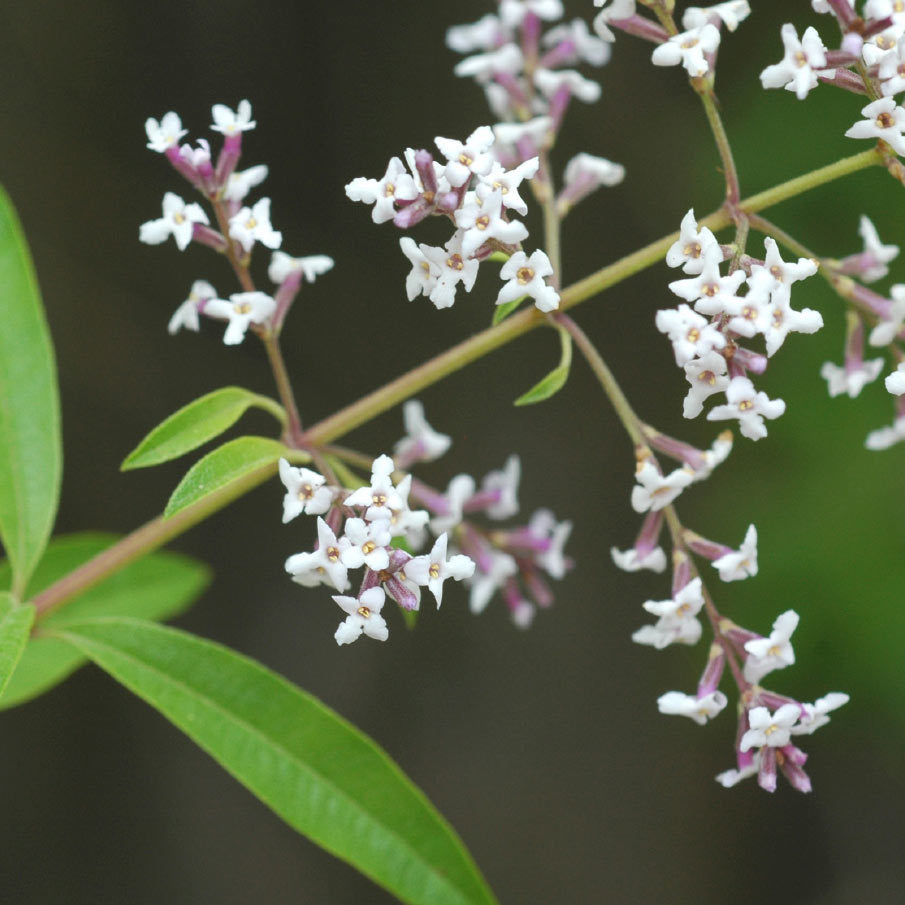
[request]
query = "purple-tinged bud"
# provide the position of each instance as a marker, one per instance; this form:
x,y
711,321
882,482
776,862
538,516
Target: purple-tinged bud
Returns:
x,y
873,27
766,775
707,548
530,35
790,761
681,571
562,53
559,103
750,361
713,671
649,535
424,164
207,236
538,588
229,157
521,610
845,78
182,166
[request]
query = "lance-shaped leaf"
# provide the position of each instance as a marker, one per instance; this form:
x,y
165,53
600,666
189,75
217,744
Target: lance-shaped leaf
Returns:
x,y
318,772
556,379
243,460
195,424
159,586
15,624
30,454
501,312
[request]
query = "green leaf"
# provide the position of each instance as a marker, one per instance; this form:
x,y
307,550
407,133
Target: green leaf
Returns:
x,y
501,312
556,379
158,586
195,424
244,459
15,625
319,773
30,453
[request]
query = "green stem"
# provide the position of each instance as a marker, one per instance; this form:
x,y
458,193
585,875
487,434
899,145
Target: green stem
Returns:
x,y
722,143
152,535
293,433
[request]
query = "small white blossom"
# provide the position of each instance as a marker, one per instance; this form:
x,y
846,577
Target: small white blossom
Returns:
x,y
526,277
454,267
396,184
699,709
731,13
890,326
481,35
433,569
740,563
891,70
196,157
240,184
513,12
588,47
749,406
883,119
816,713
461,488
501,485
311,266
782,320
654,490
164,134
483,67
506,182
775,652
677,618
688,48
543,524
716,455
707,375
630,561
364,617
537,130
229,122
804,60
484,583
324,565
469,157
242,309
729,778
690,333
364,543
689,249
186,315
885,437
423,276
616,11
421,442
709,290
381,498
252,224
585,173
550,81
895,382
879,254
768,729
481,220
851,380
178,221
305,492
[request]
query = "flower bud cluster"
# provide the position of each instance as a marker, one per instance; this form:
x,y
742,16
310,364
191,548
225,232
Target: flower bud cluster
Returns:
x,y
373,527
241,227
706,340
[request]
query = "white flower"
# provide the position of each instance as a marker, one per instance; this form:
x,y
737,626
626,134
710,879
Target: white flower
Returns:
x,y
617,11
231,123
654,490
887,436
312,266
324,565
252,224
709,291
467,158
895,382
396,184
688,48
888,328
851,379
769,729
506,182
305,492
630,561
544,527
240,184
588,48
178,221
550,81
691,334
461,488
688,250
783,272
186,315
732,13
677,622
782,320
480,35
740,563
500,489
489,577
526,277
513,12
433,569
196,157
707,375
775,652
483,67
878,253
364,543
883,119
242,309
716,455
422,278
453,268
729,778
816,713
585,173
891,70
364,617
803,61
421,442
482,220
749,406
381,498
699,709
165,134
536,130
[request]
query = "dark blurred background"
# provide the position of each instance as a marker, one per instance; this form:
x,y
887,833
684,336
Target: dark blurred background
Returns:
x,y
543,747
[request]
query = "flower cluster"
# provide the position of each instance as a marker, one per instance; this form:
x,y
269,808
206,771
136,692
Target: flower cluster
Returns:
x,y
706,340
374,527
241,227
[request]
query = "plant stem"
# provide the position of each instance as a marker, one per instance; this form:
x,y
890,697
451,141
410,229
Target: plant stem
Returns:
x,y
722,143
293,433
